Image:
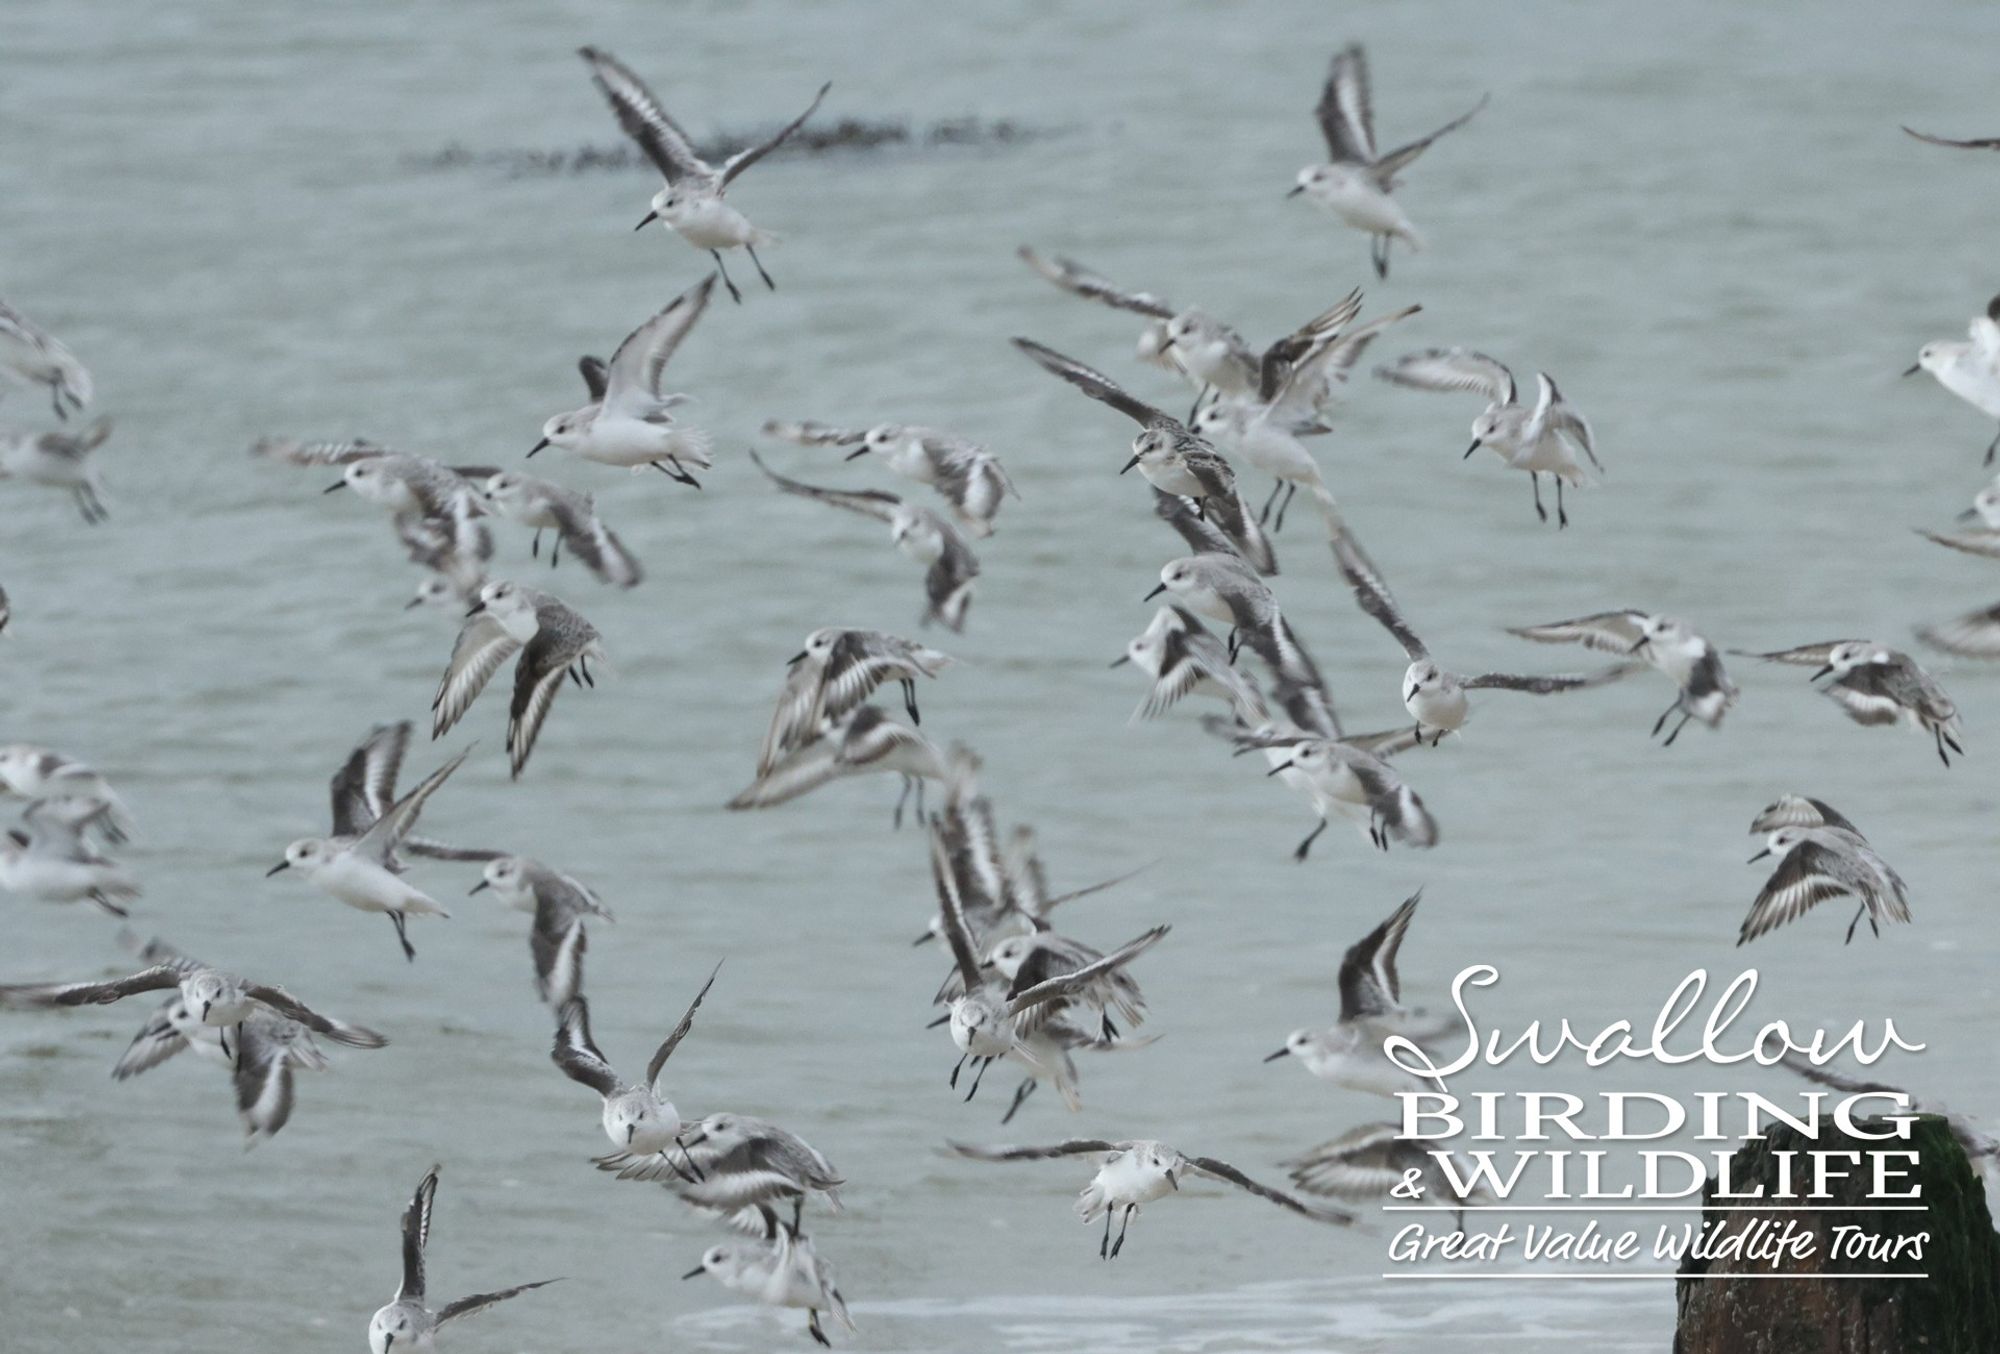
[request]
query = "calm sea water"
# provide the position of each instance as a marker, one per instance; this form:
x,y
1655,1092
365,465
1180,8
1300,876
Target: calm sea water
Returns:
x,y
1707,226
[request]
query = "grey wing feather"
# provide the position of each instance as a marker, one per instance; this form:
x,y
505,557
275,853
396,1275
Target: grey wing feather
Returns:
x,y
1222,1170
1070,1148
643,119
868,502
479,1302
743,159
680,1031
1094,384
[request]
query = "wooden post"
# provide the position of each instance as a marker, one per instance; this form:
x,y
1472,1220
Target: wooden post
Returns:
x,y
1956,1310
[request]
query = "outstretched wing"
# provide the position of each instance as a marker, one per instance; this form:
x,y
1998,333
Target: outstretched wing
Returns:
x,y
1078,280
1452,369
289,1006
1977,143
365,785
1607,631
632,380
482,646
155,979
643,119
1801,882
1368,982
1095,384
873,503
386,833
479,1302
680,1031
1372,594
1072,1147
812,433
1397,160
750,155
1069,984
576,1054
1345,110
1222,1170
416,1235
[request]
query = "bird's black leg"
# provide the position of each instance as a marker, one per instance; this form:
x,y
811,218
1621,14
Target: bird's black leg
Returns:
x,y
1119,1244
555,551
1021,1093
588,680
535,546
680,472
1201,509
1562,518
1306,845
1235,643
1285,507
812,1329
1378,254
1104,1246
1536,480
1685,717
1951,742
978,1077
798,1212
734,294
575,680
1991,447
1859,913
1195,408
954,1069
1938,738
1277,487
55,398
403,935
910,700
768,283
896,819
1661,722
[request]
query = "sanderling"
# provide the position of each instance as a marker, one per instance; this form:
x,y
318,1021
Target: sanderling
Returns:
x,y
836,671
866,740
435,508
691,205
363,791
964,473
1435,697
554,641
556,941
1357,184
782,1271
49,859
407,1322
1172,458
1370,1160
60,460
1875,684
268,1048
43,773
572,516
1184,659
34,357
362,869
1153,347
1266,425
637,1116
1227,588
455,546
1136,1172
1542,438
994,1017
1820,863
1347,776
628,421
218,1000
1976,634
919,533
1371,1009
1970,370
1706,693
742,1167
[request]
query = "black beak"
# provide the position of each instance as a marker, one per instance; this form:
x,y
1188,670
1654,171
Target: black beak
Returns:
x,y
1273,1057
944,1019
337,484
1821,673
630,1129
538,446
1171,1181
1409,695
1915,367
647,220
1154,593
1469,450
1121,660
281,865
1643,642
1759,856
1297,188
480,887
926,936
694,1273
1968,515
477,607
204,1011
387,1340
857,453
1129,464
413,604
696,1141
1281,766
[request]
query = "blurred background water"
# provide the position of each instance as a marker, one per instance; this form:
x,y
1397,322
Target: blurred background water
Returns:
x,y
1704,223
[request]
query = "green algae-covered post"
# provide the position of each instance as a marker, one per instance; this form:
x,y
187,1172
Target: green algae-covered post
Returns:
x,y
1956,1310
